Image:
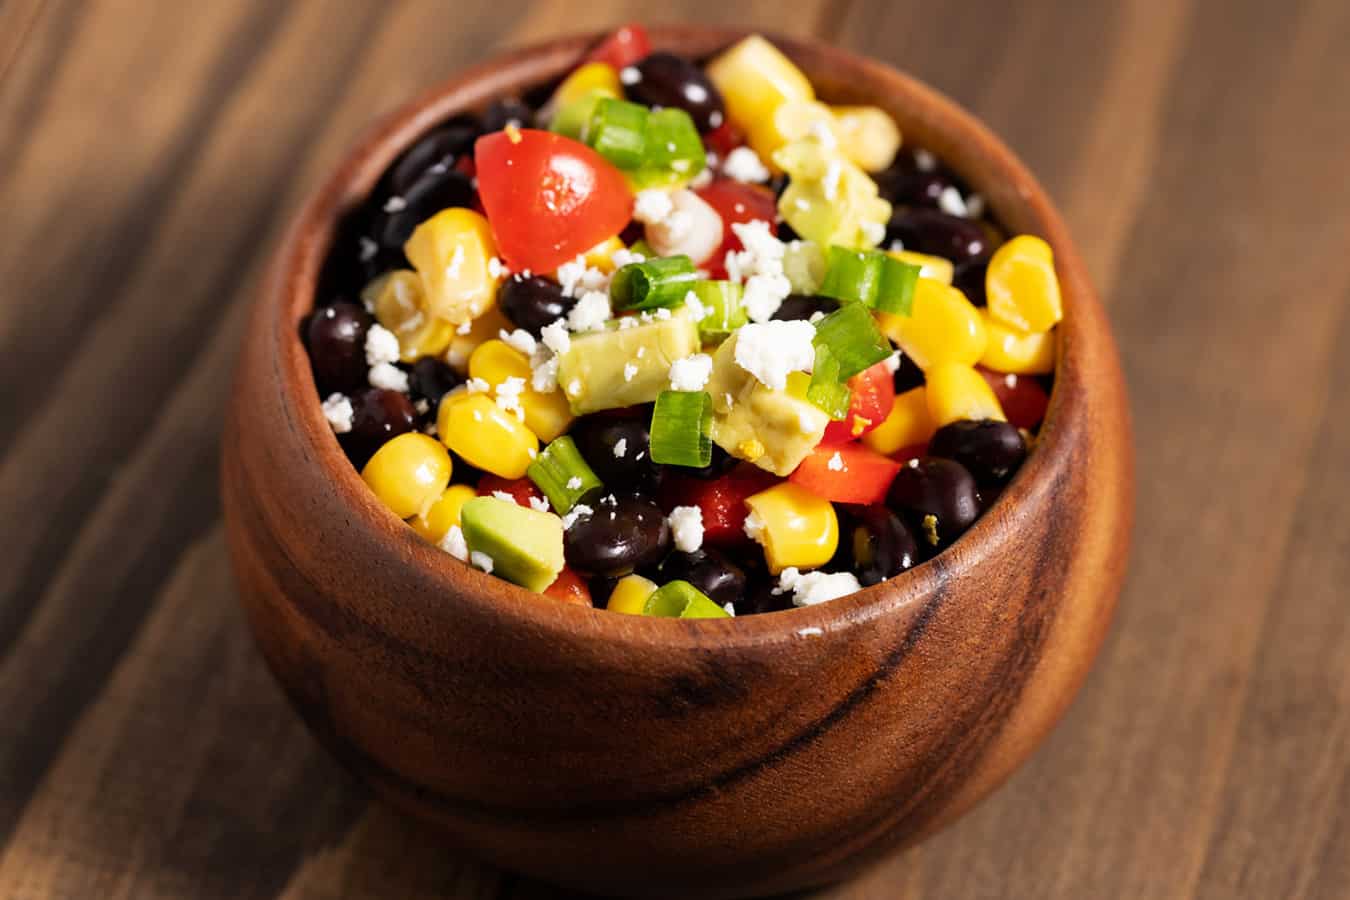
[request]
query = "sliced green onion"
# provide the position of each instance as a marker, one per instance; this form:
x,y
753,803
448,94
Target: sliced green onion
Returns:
x,y
723,310
682,429
640,246
853,339
618,132
851,275
573,120
827,390
895,294
673,144
804,266
681,600
663,281
563,475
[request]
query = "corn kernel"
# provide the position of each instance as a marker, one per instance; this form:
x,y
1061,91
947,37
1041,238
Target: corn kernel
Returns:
x,y
799,528
487,326
907,424
1021,285
601,256
942,327
487,436
754,79
401,307
1017,352
630,595
958,392
451,252
547,415
934,267
587,78
409,473
867,135
436,521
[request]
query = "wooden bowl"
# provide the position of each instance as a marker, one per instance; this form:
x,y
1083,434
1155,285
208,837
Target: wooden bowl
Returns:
x,y
660,757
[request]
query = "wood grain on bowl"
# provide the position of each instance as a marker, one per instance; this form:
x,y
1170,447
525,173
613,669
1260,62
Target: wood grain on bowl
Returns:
x,y
629,755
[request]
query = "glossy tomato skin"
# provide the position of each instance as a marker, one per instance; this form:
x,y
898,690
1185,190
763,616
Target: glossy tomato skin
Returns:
x,y
521,489
570,588
736,202
547,197
1023,399
721,500
623,46
846,473
873,395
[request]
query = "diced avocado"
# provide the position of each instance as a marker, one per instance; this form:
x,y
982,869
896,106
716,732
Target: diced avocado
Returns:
x,y
775,430
621,367
829,200
680,599
525,545
804,266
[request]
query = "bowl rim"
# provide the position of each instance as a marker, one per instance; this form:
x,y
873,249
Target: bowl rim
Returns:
x,y
289,293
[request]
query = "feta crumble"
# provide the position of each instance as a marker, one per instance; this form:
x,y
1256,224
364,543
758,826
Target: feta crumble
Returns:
x,y
892,362
555,336
478,386
337,409
368,249
620,448
577,278
543,372
630,371
481,560
731,610
574,483
686,527
770,350
520,339
952,203
629,75
692,228
590,313
576,512
836,463
624,257
508,396
816,587
975,206
395,204
744,165
503,495
764,294
652,206
453,543
381,346
754,528
388,377
539,503
691,373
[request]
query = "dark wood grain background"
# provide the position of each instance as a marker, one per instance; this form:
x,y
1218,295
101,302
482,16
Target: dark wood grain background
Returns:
x,y
149,155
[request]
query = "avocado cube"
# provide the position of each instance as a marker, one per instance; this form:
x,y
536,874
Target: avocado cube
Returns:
x,y
621,367
525,544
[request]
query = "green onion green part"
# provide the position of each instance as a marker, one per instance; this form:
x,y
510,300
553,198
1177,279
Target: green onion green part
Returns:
x,y
827,390
673,144
563,475
895,294
724,312
870,277
618,132
681,600
853,338
681,432
663,281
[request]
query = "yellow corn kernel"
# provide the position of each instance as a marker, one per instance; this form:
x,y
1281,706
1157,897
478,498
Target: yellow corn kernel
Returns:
x,y
797,528
452,252
867,135
1021,285
401,307
1017,352
907,424
436,521
601,256
630,595
487,436
755,79
934,267
958,392
586,79
942,327
485,327
408,473
547,415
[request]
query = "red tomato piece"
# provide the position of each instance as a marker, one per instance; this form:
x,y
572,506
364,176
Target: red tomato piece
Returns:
x,y
569,588
873,396
721,500
521,489
723,139
548,197
846,473
1023,399
736,202
623,46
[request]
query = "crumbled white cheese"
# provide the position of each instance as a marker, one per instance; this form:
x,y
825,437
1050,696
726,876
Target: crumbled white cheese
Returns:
x,y
508,395
395,204
464,327
764,294
652,206
1010,380
453,543
693,228
624,257
620,448
951,202
892,362
691,373
543,371
478,386
503,495
520,339
422,406
760,241
686,527
337,409
744,164
497,269
630,371
627,322
555,336
704,177
754,528
697,311
896,245
574,483
815,317
576,512
770,350
577,278
590,313
816,587
381,346
925,161
629,75
539,503
388,377
975,206
481,560
836,463
368,249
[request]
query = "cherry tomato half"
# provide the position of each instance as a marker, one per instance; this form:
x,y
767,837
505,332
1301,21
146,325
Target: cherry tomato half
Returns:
x,y
548,197
569,588
736,202
623,46
873,396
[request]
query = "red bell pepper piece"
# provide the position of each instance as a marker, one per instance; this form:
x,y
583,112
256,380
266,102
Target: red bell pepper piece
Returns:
x,y
1023,399
873,395
721,500
846,473
521,489
623,46
570,588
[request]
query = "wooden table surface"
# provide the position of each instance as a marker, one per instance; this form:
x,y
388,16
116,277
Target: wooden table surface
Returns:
x,y
149,155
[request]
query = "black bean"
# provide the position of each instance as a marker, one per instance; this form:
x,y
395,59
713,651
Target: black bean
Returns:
x,y
664,79
908,376
722,463
432,379
990,450
438,148
937,498
937,233
508,111
601,586
617,537
913,187
708,570
876,544
378,415
804,306
432,192
531,303
597,436
969,279
760,597
336,338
